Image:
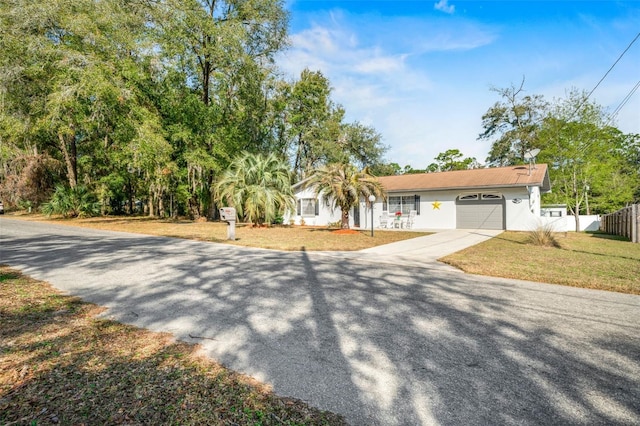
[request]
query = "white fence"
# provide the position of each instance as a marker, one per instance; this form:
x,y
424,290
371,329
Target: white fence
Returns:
x,y
568,223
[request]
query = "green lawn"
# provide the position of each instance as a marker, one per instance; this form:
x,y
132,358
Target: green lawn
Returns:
x,y
589,260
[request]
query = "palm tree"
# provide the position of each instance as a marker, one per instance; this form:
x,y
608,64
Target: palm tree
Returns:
x,y
342,185
258,186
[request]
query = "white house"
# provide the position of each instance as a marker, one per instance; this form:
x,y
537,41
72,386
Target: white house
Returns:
x,y
494,198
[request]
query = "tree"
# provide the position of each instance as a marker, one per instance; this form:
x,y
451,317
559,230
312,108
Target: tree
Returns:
x,y
630,152
512,125
258,186
408,170
213,39
616,179
362,145
385,169
72,73
452,159
313,121
342,185
145,101
318,135
586,157
217,64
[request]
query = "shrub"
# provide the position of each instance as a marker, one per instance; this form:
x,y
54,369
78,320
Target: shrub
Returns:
x,y
72,202
543,236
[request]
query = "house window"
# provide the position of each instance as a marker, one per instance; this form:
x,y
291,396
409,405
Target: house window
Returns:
x,y
491,197
404,204
481,197
469,197
307,207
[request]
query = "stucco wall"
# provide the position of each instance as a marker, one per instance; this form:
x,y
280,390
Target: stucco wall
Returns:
x,y
324,217
521,213
438,209
522,208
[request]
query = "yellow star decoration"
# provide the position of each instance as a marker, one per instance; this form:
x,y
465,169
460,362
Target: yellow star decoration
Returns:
x,y
436,205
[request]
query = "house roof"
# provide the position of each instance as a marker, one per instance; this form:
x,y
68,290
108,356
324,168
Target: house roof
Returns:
x,y
496,177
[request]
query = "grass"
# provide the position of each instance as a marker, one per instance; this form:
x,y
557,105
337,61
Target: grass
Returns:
x,y
278,237
60,364
588,260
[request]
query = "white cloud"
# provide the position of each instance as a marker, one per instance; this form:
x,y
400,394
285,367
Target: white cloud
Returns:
x,y
423,82
444,6
381,64
385,82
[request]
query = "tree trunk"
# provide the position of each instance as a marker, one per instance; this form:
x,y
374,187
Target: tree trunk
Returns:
x,y
193,208
212,206
576,212
130,196
150,204
576,209
161,205
206,77
345,218
70,159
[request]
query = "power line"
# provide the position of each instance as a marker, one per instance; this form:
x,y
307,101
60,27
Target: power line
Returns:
x,y
603,77
624,101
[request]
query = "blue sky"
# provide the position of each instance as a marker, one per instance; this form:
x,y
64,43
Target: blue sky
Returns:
x,y
420,72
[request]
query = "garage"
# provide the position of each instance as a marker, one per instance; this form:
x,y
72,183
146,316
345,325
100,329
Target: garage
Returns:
x,y
480,211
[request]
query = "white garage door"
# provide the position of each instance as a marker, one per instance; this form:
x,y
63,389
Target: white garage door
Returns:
x,y
480,211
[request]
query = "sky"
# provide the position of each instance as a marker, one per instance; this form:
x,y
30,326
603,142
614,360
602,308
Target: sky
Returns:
x,y
421,72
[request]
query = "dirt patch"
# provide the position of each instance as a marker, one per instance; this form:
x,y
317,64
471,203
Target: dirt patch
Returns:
x,y
345,232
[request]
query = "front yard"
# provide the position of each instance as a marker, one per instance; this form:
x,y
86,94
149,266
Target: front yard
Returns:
x,y
289,238
588,260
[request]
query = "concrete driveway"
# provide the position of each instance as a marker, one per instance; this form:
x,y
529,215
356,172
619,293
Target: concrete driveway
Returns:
x,y
421,251
380,343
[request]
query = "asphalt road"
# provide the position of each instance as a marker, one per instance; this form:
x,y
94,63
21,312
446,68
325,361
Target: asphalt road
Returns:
x,y
379,343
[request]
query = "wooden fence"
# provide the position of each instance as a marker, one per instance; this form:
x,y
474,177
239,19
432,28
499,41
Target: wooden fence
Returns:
x,y
624,222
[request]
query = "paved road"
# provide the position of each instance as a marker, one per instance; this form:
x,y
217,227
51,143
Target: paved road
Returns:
x,y
381,344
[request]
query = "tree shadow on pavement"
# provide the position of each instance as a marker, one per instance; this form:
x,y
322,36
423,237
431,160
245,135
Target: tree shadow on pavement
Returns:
x,y
378,343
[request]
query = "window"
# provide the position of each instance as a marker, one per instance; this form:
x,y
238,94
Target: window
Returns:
x,y
491,197
469,197
307,207
481,197
404,204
